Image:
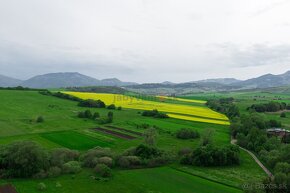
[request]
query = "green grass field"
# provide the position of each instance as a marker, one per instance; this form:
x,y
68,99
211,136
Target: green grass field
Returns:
x,y
74,140
62,128
156,180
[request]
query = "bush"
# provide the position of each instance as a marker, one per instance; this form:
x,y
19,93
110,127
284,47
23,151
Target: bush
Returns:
x,y
146,152
41,186
112,106
119,108
89,158
81,115
103,170
88,114
213,156
71,167
187,134
105,160
96,115
92,103
283,115
60,156
184,151
110,117
40,119
154,113
54,172
129,161
23,159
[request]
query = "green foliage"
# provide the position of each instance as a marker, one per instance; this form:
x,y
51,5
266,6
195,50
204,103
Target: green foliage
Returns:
x,y
225,106
41,186
96,115
92,103
110,117
154,113
90,158
60,156
129,161
112,106
103,170
207,137
283,115
187,134
150,136
268,107
213,156
39,119
23,159
71,167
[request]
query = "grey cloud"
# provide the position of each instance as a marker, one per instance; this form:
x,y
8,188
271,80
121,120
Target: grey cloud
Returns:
x,y
255,55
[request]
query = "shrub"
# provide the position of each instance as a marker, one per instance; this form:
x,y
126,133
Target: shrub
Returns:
x,y
53,171
213,156
103,170
105,160
71,167
92,103
187,134
110,117
60,156
119,108
129,161
40,119
23,159
184,151
88,114
146,152
154,113
112,106
96,115
81,115
41,186
283,115
89,158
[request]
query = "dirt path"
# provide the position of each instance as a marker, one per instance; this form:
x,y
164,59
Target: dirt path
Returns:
x,y
234,142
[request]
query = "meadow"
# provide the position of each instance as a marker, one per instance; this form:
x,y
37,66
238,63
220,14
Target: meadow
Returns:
x,y
62,128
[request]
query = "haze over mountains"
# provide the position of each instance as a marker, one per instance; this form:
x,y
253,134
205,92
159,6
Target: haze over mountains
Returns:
x,y
74,79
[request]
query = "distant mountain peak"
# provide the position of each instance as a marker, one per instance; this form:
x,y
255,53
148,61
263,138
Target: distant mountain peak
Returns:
x,y
6,81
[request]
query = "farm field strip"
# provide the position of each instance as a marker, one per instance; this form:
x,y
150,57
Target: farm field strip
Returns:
x,y
115,133
126,130
182,99
198,119
74,140
139,104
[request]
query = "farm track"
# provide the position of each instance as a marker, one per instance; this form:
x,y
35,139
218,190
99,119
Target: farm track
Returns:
x,y
115,133
233,141
126,130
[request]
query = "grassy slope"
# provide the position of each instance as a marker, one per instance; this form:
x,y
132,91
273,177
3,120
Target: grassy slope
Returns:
x,y
18,108
157,180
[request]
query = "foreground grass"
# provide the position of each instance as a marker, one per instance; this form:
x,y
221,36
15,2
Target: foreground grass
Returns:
x,y
156,180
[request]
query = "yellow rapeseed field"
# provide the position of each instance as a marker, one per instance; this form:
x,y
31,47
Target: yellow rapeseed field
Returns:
x,y
183,100
186,112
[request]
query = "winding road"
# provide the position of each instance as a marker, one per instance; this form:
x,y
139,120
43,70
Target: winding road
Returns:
x,y
234,142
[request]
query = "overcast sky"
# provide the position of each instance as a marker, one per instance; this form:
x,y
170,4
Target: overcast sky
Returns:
x,y
145,40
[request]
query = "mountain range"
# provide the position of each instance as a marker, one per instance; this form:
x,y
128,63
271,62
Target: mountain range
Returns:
x,y
61,80
75,79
